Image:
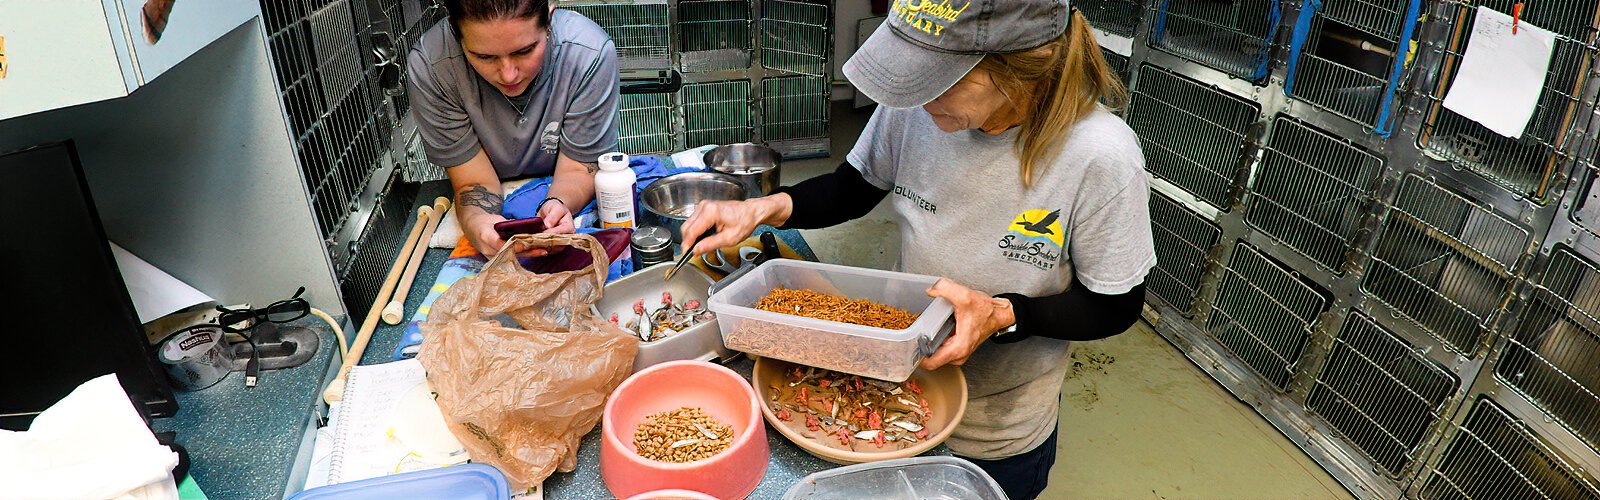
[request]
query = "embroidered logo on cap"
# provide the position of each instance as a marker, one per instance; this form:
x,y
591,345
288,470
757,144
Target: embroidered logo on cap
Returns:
x,y
927,16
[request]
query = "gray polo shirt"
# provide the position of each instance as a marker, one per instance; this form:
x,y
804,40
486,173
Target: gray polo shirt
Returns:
x,y
572,104
964,215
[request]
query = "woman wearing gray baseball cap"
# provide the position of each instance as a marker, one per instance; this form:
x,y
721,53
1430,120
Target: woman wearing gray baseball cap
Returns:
x,y
1010,178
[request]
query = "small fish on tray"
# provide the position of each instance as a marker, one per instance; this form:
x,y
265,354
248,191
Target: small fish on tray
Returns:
x,y
666,320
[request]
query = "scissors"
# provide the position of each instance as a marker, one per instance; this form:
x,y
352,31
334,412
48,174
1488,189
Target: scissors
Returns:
x,y
747,256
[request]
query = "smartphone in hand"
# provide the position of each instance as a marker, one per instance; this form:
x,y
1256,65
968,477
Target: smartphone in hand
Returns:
x,y
531,225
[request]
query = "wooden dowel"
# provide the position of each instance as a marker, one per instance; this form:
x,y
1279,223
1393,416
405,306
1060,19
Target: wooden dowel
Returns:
x,y
395,311
335,390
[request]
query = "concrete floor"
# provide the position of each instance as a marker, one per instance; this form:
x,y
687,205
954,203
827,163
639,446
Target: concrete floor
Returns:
x,y
1138,420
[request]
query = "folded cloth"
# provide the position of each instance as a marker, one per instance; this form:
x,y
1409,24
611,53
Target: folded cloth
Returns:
x,y
91,444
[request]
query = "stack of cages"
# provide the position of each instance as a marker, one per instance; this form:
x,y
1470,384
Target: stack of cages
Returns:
x,y
1528,426
756,71
717,55
321,61
1194,138
1364,266
796,53
722,83
644,34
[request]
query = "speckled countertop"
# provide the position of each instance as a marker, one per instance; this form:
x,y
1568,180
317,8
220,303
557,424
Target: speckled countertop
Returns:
x,y
255,443
246,442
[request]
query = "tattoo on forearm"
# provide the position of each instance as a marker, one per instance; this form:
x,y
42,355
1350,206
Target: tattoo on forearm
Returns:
x,y
478,196
592,167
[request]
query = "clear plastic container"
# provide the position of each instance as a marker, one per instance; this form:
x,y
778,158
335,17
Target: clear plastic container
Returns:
x,y
862,350
916,477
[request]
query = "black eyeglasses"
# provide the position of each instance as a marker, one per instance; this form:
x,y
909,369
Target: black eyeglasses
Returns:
x,y
282,311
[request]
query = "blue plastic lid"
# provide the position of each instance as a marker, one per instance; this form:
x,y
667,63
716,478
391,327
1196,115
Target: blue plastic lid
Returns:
x,y
460,482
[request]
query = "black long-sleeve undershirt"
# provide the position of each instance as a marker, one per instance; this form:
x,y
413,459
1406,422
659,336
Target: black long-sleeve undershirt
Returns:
x,y
1077,314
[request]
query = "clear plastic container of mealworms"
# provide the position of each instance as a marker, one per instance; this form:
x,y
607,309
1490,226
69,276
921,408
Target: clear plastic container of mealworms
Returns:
x,y
862,350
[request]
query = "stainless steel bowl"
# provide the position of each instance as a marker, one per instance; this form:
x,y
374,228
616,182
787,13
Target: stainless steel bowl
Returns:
x,y
756,166
670,201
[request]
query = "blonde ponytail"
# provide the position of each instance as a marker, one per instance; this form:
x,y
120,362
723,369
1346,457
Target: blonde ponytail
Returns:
x,y
1054,86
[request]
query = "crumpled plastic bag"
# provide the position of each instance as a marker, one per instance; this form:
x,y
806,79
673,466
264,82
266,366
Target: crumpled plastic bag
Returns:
x,y
521,363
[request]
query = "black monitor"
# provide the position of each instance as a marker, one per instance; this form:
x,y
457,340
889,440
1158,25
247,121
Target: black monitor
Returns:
x,y
66,314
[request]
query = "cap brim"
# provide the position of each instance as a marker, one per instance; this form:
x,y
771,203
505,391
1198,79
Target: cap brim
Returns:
x,y
900,74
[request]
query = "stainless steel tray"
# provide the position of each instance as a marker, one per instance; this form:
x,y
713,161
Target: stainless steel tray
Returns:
x,y
702,341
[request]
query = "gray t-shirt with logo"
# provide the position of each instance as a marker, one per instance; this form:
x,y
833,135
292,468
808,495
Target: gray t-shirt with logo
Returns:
x,y
571,108
964,215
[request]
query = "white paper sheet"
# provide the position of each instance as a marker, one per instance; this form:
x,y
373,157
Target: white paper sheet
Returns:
x,y
154,292
1501,74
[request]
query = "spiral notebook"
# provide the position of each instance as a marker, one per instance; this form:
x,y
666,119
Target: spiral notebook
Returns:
x,y
375,416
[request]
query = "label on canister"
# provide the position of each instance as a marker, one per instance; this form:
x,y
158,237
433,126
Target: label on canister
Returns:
x,y
195,357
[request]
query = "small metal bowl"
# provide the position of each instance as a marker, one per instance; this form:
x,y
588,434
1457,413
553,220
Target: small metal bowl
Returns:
x,y
756,166
670,201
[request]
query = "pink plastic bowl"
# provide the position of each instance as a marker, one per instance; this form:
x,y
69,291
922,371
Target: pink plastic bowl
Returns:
x,y
718,391
673,495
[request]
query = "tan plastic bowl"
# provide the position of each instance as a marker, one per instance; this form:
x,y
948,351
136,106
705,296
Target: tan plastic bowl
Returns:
x,y
945,389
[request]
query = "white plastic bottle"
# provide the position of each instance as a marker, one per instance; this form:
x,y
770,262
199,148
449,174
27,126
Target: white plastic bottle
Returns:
x,y
613,188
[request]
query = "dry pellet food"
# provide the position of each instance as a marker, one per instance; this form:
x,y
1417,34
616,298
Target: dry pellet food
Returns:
x,y
815,305
682,435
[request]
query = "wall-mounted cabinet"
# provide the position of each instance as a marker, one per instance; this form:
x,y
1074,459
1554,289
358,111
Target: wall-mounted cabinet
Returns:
x,y
63,53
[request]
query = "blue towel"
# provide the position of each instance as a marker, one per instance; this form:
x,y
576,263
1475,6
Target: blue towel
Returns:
x,y
524,202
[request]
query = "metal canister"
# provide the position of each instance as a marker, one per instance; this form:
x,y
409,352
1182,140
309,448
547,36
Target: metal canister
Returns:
x,y
195,357
651,245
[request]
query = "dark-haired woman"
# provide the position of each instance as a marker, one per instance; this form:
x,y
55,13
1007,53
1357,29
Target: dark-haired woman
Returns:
x,y
514,88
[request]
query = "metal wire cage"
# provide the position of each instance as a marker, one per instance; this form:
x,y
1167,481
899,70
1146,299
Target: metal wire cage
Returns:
x,y
640,29
1118,62
1493,456
716,112
1234,37
1349,54
333,37
330,111
1182,240
1118,17
1309,191
714,35
1585,191
1444,263
1192,134
1379,393
795,37
379,243
417,166
1553,355
1264,314
645,125
1527,165
794,115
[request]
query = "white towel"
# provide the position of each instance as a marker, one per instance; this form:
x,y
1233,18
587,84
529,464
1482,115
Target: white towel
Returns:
x,y
91,444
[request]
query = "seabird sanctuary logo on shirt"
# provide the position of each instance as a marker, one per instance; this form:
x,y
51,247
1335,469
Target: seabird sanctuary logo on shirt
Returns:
x,y
1034,238
550,141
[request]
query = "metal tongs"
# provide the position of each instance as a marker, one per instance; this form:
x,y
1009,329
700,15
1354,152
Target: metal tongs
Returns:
x,y
688,253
